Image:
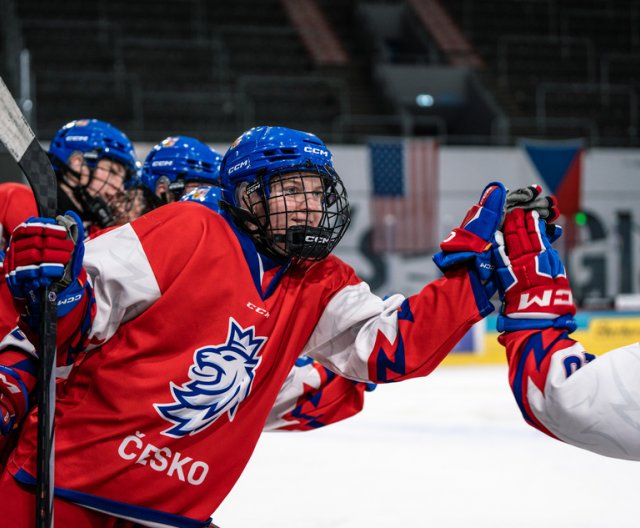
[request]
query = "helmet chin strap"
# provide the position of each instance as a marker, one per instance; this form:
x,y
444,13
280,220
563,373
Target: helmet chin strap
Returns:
x,y
305,241
177,188
95,208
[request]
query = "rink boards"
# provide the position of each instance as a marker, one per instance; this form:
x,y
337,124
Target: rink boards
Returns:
x,y
597,331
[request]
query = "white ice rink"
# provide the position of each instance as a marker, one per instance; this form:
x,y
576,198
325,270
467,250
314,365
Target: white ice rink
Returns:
x,y
450,450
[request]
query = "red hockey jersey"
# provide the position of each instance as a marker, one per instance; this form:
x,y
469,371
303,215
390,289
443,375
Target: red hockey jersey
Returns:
x,y
193,337
16,205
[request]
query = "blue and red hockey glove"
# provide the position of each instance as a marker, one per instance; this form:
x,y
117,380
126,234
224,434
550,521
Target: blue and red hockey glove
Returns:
x,y
44,252
531,278
473,241
470,244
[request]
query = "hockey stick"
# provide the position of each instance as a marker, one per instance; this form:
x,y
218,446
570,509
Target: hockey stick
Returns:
x,y
17,136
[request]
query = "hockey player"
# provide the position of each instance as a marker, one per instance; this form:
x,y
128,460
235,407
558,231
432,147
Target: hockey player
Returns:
x,y
561,389
173,168
181,167
177,165
92,161
312,396
192,322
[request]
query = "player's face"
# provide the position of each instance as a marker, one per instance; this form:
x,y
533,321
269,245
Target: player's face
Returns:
x,y
81,172
128,206
108,179
296,199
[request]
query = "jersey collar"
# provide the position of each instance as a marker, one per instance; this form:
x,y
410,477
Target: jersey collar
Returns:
x,y
259,263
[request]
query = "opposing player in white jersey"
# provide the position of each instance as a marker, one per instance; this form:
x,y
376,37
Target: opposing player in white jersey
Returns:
x,y
190,323
563,390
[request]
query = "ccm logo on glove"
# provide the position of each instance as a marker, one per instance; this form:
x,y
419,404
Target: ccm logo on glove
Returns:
x,y
548,298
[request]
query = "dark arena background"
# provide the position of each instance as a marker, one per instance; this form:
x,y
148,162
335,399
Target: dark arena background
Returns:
x,y
473,91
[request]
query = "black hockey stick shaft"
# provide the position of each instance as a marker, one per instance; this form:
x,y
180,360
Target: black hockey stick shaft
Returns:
x,y
20,141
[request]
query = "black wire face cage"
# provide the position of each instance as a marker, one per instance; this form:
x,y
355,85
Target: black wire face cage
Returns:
x,y
132,204
97,195
301,214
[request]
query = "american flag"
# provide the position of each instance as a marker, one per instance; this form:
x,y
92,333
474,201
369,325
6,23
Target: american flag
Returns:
x,y
404,212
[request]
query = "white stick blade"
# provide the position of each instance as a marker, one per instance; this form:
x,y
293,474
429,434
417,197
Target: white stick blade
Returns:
x,y
15,132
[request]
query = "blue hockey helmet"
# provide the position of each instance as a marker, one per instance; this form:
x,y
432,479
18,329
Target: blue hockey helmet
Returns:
x,y
95,139
252,172
208,196
181,159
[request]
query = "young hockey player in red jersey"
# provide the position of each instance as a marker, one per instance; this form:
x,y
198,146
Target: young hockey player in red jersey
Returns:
x,y
561,389
184,168
312,396
190,323
92,160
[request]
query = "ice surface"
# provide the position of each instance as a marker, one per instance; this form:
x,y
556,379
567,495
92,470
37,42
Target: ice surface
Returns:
x,y
449,450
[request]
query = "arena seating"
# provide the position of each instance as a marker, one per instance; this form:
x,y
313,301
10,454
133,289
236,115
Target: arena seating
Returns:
x,y
544,68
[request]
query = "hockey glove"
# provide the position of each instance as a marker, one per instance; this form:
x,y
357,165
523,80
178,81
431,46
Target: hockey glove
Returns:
x,y
44,252
532,281
530,199
471,242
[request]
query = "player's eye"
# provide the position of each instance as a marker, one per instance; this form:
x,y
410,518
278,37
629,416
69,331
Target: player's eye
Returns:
x,y
289,190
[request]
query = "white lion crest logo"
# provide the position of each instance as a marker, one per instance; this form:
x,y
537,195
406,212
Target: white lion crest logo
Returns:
x,y
221,378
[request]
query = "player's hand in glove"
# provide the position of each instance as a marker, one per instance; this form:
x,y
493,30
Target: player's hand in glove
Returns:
x,y
45,252
530,199
532,281
471,242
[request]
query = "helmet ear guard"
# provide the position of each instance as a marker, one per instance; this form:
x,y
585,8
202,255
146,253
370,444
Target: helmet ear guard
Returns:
x,y
94,208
